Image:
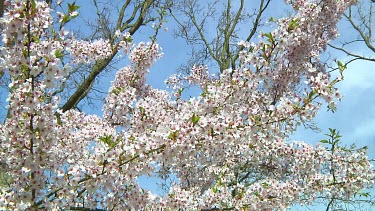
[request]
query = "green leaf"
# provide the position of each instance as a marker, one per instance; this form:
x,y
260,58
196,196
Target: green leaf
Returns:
x,y
364,148
272,19
194,119
72,7
129,39
256,193
365,194
174,135
251,50
324,141
214,189
180,91
35,38
116,90
65,19
257,119
270,37
24,53
341,66
143,113
293,24
59,54
132,138
217,109
311,94
108,140
204,94
212,132
33,6
339,63
332,131
24,68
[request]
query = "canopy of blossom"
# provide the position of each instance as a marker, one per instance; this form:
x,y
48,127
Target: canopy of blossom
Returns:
x,y
227,147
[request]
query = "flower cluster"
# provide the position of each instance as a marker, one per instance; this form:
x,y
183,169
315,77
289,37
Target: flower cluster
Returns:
x,y
86,52
130,83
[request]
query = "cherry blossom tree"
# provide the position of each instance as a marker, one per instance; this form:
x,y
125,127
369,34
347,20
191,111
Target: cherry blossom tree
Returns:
x,y
227,147
82,85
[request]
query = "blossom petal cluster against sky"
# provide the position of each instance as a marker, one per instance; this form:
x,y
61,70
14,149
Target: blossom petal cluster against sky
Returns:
x,y
354,118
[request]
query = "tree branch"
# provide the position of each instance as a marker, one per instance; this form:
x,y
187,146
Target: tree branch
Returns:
x,y
365,38
86,85
352,54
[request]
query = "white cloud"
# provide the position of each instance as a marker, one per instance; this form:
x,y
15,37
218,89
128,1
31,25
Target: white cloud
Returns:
x,y
359,76
364,130
355,118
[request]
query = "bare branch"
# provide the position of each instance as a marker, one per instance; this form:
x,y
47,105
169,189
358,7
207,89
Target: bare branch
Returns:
x,y
222,48
99,66
365,37
352,54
